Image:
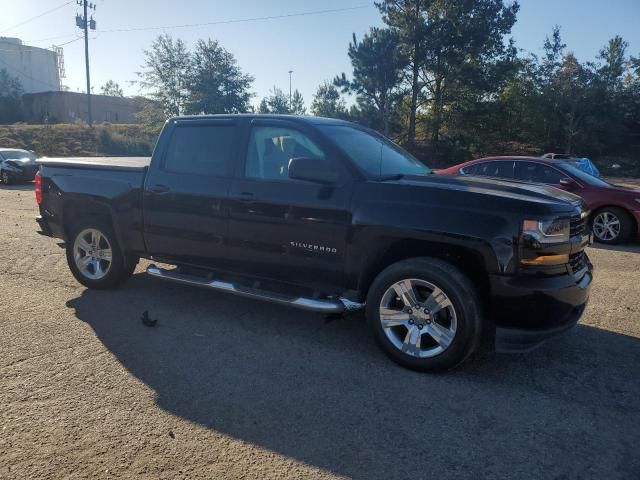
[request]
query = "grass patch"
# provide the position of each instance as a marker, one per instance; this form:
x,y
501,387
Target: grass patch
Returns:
x,y
64,140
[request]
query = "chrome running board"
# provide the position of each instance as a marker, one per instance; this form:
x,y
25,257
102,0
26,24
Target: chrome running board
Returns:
x,y
329,305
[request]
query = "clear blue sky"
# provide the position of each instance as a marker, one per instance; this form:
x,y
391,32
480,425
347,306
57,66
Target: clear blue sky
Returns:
x,y
314,46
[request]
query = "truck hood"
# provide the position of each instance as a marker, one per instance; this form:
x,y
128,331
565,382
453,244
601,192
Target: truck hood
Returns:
x,y
522,191
23,161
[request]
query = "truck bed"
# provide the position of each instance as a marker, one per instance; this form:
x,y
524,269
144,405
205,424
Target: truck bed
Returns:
x,y
111,163
100,185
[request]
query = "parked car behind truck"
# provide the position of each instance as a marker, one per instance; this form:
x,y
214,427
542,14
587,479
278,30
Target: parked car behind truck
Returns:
x,y
17,166
615,210
328,216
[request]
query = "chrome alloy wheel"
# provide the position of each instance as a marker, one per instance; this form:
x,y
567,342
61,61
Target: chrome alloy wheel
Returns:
x,y
92,254
606,226
418,318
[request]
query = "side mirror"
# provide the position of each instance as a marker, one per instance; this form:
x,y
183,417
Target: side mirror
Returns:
x,y
568,183
312,170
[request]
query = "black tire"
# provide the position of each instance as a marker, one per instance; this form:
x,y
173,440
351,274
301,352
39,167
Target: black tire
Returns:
x,y
627,225
5,178
121,267
463,297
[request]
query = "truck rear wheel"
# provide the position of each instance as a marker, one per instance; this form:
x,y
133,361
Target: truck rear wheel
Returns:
x,y
94,256
425,314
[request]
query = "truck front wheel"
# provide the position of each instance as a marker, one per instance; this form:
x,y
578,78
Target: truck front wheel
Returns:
x,y
94,256
425,314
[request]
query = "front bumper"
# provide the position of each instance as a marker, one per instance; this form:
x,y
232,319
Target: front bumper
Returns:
x,y
529,310
520,340
22,174
637,217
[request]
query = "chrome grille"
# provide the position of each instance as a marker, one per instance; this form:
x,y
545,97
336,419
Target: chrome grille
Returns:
x,y
577,261
578,225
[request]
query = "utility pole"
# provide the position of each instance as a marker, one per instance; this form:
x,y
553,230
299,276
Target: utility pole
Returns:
x,y
290,101
85,23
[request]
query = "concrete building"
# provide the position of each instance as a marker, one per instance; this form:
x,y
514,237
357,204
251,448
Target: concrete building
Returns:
x,y
36,68
67,107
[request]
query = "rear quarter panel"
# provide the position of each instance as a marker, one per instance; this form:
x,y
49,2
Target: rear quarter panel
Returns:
x,y
70,193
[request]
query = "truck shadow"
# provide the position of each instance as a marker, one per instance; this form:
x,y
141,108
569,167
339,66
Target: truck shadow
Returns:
x,y
19,187
631,247
322,393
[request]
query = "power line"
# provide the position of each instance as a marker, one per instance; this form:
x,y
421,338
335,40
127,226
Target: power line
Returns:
x,y
242,20
37,16
220,22
70,41
189,25
18,52
68,35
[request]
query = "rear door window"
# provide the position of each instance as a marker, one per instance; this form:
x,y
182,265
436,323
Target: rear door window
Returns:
x,y
498,169
203,149
538,173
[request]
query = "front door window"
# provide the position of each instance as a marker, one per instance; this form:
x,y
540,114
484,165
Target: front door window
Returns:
x,y
271,148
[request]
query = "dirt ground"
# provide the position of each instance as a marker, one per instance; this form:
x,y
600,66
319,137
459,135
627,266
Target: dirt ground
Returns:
x,y
225,387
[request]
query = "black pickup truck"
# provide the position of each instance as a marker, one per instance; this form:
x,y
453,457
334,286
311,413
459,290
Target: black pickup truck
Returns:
x,y
329,216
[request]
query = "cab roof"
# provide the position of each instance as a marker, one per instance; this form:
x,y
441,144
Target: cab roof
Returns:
x,y
521,157
269,116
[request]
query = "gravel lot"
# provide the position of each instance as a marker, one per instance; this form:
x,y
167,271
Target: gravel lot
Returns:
x,y
229,388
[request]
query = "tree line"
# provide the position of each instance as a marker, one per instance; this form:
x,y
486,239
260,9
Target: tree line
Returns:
x,y
441,77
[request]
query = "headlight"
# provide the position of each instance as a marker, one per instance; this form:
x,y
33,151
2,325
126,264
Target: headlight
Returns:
x,y
547,231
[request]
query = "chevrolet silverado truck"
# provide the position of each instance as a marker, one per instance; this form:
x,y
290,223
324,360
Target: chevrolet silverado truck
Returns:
x,y
329,216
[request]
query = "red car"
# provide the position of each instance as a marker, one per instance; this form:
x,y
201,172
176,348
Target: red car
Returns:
x,y
615,210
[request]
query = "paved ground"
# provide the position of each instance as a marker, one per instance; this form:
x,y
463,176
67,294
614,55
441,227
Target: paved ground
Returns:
x,y
230,388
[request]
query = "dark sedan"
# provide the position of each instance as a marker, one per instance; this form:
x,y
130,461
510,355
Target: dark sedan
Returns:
x,y
17,166
615,210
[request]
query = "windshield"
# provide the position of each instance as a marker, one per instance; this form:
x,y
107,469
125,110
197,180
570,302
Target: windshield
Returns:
x,y
584,176
17,154
373,153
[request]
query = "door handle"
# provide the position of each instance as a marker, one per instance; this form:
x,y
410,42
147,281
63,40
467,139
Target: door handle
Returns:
x,y
159,189
246,197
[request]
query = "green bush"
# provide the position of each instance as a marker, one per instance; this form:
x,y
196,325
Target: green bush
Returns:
x,y
64,140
